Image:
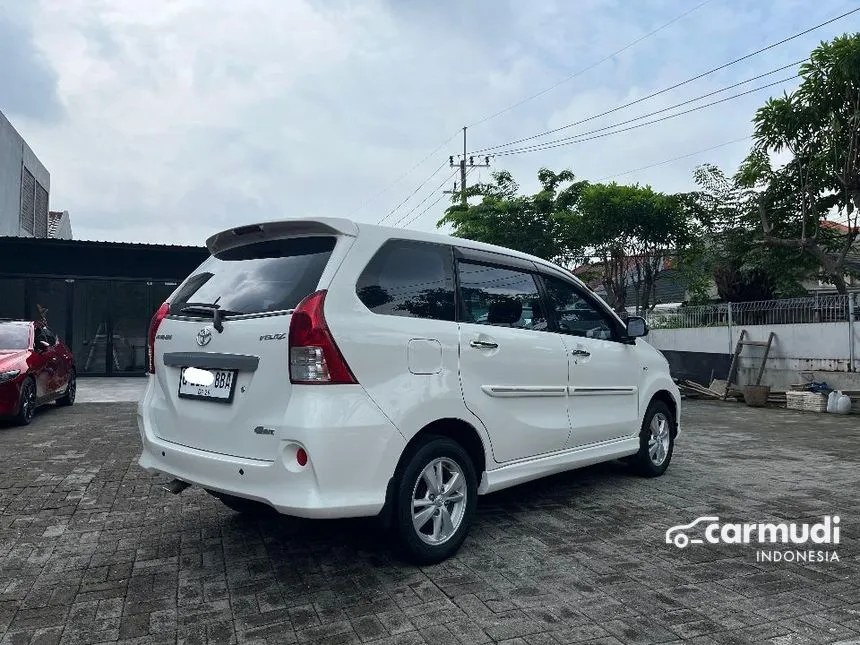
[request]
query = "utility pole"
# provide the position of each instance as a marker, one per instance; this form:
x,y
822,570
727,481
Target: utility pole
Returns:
x,y
462,163
463,171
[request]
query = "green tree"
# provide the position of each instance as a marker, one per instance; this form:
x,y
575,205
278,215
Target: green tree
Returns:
x,y
541,224
819,126
729,251
631,231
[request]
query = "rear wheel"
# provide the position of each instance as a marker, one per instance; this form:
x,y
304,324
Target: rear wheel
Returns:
x,y
434,501
656,441
71,389
240,504
27,403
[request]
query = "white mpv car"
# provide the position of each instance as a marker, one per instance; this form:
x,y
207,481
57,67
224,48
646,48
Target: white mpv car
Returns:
x,y
332,369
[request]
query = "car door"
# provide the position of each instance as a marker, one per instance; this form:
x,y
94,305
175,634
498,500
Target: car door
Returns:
x,y
513,373
604,371
41,365
56,363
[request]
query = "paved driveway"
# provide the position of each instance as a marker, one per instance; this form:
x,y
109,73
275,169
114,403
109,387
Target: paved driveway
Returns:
x,y
92,550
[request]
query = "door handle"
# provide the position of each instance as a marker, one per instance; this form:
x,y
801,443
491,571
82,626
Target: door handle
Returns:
x,y
579,352
483,344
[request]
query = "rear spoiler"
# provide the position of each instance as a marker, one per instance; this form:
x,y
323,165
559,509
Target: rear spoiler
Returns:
x,y
242,235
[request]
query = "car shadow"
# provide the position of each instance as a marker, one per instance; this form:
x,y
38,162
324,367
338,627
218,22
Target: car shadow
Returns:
x,y
371,542
43,411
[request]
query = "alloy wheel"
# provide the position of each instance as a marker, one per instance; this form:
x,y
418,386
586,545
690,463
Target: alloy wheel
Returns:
x,y
439,501
28,402
658,443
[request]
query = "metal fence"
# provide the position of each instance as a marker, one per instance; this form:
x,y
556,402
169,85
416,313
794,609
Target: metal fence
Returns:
x,y
812,309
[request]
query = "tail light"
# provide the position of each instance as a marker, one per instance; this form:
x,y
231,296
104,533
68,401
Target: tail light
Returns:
x,y
160,315
314,356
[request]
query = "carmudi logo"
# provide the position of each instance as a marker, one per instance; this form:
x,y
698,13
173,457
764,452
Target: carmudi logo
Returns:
x,y
709,530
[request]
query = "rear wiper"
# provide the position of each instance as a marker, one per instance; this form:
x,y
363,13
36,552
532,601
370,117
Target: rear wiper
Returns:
x,y
217,312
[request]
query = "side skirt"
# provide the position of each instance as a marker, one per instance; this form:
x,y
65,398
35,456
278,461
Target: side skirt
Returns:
x,y
535,468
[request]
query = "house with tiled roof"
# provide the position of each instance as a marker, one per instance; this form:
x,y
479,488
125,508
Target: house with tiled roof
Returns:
x,y
852,263
670,287
59,225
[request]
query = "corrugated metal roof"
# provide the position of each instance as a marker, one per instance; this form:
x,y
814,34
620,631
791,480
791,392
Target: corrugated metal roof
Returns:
x,y
113,243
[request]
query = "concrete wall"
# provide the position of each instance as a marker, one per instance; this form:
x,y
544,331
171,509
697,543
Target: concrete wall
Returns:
x,y
14,152
799,351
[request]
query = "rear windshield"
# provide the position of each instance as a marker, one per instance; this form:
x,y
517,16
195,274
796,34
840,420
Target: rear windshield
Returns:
x,y
265,276
13,336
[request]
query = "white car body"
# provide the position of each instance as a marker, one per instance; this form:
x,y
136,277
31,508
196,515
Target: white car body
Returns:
x,y
539,403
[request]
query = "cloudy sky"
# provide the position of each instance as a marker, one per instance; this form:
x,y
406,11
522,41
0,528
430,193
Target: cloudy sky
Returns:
x,y
168,120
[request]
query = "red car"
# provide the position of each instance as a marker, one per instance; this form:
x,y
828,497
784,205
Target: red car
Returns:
x,y
35,368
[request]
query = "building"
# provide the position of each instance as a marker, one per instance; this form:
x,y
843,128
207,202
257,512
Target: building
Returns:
x,y
25,187
669,283
99,297
59,225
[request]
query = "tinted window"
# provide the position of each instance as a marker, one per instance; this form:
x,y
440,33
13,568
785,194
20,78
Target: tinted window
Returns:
x,y
255,278
14,336
574,314
497,296
409,279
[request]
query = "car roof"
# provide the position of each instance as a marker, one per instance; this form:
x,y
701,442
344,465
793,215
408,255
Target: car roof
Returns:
x,y
240,235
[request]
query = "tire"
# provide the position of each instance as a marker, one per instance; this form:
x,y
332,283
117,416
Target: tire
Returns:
x,y
240,504
426,542
653,458
26,403
71,390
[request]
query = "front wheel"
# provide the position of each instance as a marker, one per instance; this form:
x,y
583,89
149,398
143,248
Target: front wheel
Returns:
x,y
656,441
27,403
434,501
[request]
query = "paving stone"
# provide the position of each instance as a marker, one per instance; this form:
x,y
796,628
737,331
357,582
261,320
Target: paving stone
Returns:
x,y
92,550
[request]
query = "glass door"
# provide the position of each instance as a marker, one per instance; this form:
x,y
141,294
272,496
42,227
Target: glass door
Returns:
x,y
91,341
130,316
12,298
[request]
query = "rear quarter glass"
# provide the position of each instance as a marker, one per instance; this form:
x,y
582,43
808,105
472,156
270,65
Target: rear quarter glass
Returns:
x,y
272,275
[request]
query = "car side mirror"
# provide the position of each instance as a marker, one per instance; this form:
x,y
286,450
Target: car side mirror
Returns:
x,y
636,327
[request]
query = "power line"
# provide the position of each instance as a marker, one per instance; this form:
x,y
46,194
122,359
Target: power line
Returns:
x,y
665,109
418,216
402,176
549,145
420,186
618,174
432,204
667,161
671,87
418,205
592,66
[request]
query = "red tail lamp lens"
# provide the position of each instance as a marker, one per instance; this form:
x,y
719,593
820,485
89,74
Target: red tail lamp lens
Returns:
x,y
160,315
314,356
301,457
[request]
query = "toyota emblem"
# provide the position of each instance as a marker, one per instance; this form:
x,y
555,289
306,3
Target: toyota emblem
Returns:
x,y
203,337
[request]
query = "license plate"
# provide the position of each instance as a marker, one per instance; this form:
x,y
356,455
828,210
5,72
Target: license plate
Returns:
x,y
220,390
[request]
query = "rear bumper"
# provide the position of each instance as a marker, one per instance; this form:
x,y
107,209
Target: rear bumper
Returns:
x,y
353,452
